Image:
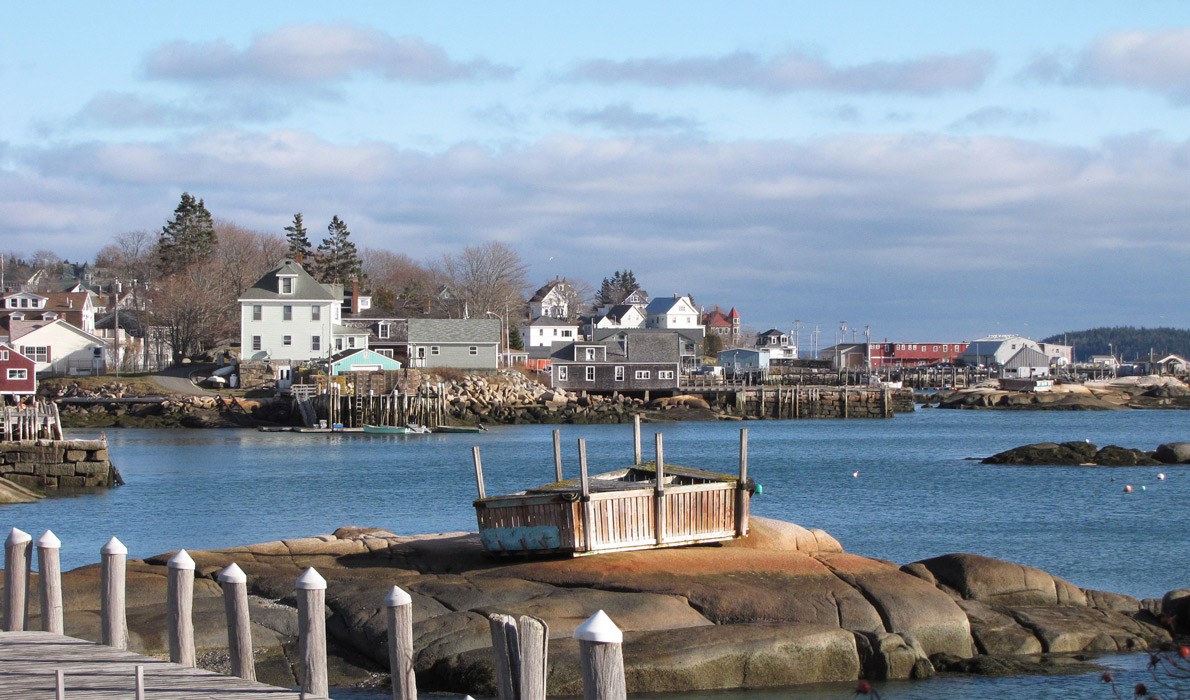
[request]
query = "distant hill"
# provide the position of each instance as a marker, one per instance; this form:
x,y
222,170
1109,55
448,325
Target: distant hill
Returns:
x,y
1128,343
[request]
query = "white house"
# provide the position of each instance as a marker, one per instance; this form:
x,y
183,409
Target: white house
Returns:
x,y
672,313
996,350
552,300
59,348
544,331
288,316
620,316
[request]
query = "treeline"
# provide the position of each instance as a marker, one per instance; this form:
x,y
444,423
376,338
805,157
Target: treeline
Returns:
x,y
1128,343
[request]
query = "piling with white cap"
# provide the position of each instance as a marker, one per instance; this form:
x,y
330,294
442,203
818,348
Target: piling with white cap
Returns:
x,y
180,607
49,566
400,643
112,611
17,548
239,625
602,659
311,600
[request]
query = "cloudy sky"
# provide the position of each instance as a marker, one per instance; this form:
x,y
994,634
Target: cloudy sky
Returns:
x,y
936,171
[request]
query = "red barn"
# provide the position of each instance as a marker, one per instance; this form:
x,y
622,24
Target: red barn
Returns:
x,y
17,375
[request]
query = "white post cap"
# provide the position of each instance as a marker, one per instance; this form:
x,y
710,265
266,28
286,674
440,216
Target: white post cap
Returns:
x,y
599,628
114,546
396,598
233,574
310,580
16,536
49,540
181,561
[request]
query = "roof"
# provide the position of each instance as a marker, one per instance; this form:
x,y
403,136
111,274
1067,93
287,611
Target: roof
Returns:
x,y
551,321
773,331
305,287
663,346
546,288
619,311
1027,357
454,330
663,305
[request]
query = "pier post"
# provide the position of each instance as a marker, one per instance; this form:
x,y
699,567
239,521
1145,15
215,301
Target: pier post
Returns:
x,y
585,500
636,451
659,492
557,455
843,401
741,492
17,549
534,649
400,644
239,626
49,566
506,648
601,657
311,605
113,619
478,471
179,597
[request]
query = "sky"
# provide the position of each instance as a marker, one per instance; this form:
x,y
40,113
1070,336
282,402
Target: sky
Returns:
x,y
930,171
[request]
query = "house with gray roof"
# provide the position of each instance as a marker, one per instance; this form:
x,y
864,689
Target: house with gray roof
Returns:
x,y
463,343
288,316
634,362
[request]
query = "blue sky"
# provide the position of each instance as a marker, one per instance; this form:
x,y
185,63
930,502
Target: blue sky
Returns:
x,y
936,171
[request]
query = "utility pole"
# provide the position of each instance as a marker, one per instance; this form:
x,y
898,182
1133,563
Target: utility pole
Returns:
x,y
797,345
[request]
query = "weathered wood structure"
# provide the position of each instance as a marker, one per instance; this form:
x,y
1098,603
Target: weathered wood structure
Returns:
x,y
645,506
37,422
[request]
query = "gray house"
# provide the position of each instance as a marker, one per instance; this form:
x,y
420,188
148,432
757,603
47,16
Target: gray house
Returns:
x,y
463,343
636,362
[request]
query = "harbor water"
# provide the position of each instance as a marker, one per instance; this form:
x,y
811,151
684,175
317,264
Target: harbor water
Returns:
x,y
902,490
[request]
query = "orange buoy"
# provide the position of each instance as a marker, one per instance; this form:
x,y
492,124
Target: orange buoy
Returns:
x,y
1128,488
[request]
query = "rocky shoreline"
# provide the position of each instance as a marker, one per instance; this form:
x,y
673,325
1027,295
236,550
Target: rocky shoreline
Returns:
x,y
785,605
1106,395
1089,455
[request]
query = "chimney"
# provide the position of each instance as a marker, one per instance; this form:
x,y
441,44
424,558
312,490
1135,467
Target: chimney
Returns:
x,y
355,295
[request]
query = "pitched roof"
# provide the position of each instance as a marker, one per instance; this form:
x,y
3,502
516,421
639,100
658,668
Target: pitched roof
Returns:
x,y
1027,357
454,330
619,311
663,305
546,288
305,287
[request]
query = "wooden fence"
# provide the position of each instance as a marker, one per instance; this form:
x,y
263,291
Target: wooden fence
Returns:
x,y
37,422
520,644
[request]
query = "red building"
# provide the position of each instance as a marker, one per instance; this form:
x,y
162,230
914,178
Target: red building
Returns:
x,y
17,375
921,354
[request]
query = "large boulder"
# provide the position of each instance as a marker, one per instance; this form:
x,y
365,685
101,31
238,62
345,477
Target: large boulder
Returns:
x,y
1173,453
1047,453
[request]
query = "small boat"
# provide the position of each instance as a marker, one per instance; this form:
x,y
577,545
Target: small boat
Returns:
x,y
460,429
411,429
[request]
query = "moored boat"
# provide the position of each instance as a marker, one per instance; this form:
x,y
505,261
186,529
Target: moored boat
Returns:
x,y
411,429
460,429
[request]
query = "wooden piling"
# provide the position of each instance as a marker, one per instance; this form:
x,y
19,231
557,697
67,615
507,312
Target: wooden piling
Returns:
x,y
659,492
311,605
478,470
400,644
17,548
636,451
741,492
239,626
585,495
557,454
534,650
506,648
601,658
113,618
49,568
180,609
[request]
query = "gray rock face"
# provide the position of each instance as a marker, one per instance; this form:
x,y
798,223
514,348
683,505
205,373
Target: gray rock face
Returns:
x,y
785,605
1173,453
1073,454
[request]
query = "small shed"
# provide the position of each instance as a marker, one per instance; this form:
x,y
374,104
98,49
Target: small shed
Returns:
x,y
739,361
361,361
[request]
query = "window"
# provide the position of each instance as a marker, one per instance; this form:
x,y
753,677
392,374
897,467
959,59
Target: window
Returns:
x,y
590,353
473,350
590,373
351,341
316,313
665,374
316,343
619,373
256,342
945,348
338,343
382,330
287,312
642,374
567,333
562,373
3,354
287,340
19,374
37,353
286,285
434,350
257,312
386,352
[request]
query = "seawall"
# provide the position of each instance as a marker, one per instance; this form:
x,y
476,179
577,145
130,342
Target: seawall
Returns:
x,y
58,464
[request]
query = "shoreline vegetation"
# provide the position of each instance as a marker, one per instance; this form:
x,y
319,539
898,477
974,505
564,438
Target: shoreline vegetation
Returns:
x,y
783,606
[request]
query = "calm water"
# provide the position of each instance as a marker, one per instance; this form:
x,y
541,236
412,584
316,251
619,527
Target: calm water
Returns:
x,y
916,495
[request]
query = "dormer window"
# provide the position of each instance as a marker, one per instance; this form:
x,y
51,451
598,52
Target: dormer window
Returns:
x,y
285,284
17,316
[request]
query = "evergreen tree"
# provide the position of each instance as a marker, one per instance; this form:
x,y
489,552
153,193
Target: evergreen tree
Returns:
x,y
188,238
300,248
615,288
337,259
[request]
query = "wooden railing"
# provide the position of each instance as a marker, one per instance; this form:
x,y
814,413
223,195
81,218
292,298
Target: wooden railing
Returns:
x,y
37,422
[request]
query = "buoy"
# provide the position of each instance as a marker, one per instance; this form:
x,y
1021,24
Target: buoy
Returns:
x,y
1161,476
855,474
1142,488
759,489
1128,488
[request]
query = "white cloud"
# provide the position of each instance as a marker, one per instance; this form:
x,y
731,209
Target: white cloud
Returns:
x,y
1151,60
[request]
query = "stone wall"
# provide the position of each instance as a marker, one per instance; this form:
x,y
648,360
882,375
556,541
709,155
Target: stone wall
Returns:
x,y
57,464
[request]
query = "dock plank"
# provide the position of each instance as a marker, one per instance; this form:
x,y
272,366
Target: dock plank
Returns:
x,y
30,660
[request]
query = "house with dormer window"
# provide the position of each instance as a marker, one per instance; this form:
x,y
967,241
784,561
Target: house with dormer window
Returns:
x,y
288,316
633,362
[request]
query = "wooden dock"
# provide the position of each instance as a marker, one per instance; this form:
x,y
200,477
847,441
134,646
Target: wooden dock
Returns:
x,y
29,662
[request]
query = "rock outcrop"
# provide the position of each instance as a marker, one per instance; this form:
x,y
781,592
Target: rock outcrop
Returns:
x,y
1102,395
785,605
1087,454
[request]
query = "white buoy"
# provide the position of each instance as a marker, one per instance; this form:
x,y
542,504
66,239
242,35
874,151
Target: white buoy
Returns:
x,y
855,474
1161,476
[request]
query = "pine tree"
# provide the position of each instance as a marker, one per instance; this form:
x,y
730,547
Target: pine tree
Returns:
x,y
337,259
300,248
188,238
615,288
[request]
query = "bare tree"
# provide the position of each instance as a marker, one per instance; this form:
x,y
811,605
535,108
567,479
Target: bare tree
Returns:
x,y
398,283
192,306
488,278
244,255
131,257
